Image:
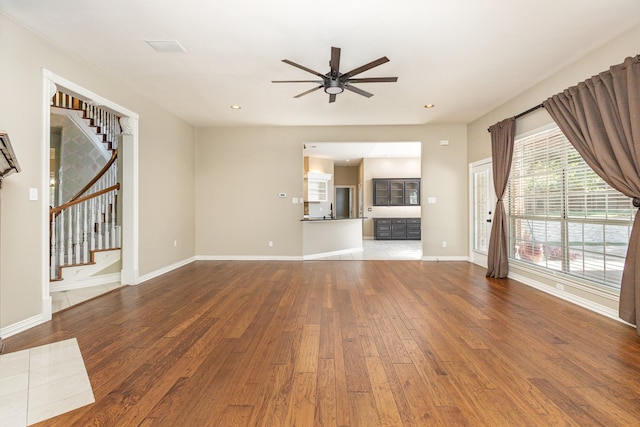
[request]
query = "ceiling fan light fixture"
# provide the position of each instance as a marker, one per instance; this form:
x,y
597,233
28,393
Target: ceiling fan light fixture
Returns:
x,y
333,87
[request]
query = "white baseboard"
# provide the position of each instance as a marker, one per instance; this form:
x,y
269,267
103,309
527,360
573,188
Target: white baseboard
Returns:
x,y
84,283
445,258
582,302
246,258
164,270
22,326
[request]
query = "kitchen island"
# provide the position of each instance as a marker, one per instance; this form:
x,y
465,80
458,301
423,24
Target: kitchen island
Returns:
x,y
325,237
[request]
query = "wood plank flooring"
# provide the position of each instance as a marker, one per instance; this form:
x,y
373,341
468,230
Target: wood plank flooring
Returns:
x,y
345,343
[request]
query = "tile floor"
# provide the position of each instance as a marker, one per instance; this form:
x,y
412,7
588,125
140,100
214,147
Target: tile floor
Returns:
x,y
42,382
65,299
384,249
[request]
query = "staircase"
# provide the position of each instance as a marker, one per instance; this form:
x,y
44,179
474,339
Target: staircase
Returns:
x,y
85,228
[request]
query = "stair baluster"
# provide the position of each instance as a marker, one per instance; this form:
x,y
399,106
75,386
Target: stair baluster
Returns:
x,y
87,222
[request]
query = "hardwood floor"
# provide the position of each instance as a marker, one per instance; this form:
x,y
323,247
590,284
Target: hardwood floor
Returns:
x,y
345,343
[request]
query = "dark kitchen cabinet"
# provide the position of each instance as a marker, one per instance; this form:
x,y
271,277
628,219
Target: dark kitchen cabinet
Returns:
x,y
397,228
396,192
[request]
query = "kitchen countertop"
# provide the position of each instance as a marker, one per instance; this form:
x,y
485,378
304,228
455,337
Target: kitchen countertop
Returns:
x,y
320,219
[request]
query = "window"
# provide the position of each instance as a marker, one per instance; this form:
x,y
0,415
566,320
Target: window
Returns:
x,y
562,216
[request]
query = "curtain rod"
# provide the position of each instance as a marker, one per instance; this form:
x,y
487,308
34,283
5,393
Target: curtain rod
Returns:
x,y
524,113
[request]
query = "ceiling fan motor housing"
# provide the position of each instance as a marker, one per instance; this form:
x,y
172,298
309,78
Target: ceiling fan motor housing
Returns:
x,y
333,87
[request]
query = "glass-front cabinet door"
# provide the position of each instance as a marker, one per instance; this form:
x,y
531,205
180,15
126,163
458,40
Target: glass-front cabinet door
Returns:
x,y
381,192
397,193
412,193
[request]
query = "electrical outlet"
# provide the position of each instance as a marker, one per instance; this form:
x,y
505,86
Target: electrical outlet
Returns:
x,y
175,243
444,243
270,243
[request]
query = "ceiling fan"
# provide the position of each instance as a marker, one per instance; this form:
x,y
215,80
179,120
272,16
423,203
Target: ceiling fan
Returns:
x,y
335,82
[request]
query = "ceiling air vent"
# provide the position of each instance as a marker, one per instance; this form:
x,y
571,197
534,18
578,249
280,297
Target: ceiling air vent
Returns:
x,y
166,46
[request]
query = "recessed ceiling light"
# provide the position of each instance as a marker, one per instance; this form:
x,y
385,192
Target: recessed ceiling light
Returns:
x,y
235,107
429,105
166,46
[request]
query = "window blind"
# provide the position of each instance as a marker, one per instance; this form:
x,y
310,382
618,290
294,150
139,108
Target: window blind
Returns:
x,y
562,216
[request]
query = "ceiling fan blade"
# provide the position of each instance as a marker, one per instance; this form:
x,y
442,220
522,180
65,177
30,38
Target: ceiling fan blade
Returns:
x,y
308,91
297,81
335,62
332,97
358,91
366,67
302,67
373,80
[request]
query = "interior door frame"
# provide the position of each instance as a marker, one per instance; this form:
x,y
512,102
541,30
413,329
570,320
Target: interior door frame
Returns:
x,y
129,151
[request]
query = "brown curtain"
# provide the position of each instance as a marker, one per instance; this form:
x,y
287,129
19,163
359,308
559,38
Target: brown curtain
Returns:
x,y
502,137
601,118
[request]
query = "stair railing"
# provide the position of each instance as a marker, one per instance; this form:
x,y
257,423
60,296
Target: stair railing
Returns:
x,y
82,226
88,222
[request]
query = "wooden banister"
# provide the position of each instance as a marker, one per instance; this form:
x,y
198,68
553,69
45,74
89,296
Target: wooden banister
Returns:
x,y
56,210
95,179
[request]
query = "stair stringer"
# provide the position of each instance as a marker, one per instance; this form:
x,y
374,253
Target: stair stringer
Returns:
x,y
85,275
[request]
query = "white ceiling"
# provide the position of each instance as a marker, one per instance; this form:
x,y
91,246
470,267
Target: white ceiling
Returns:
x,y
465,56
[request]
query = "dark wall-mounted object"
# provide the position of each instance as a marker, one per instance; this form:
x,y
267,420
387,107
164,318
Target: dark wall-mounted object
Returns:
x,y
396,192
8,161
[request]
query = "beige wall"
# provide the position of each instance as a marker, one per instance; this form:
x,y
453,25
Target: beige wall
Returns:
x,y
240,171
613,52
166,164
346,175
239,174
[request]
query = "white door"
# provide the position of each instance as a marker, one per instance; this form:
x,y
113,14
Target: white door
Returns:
x,y
482,200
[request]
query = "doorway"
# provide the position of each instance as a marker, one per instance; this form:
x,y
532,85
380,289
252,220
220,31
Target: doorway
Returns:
x,y
345,202
128,167
482,200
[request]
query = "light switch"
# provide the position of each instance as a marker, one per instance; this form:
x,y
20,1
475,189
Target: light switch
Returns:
x,y
431,199
33,194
